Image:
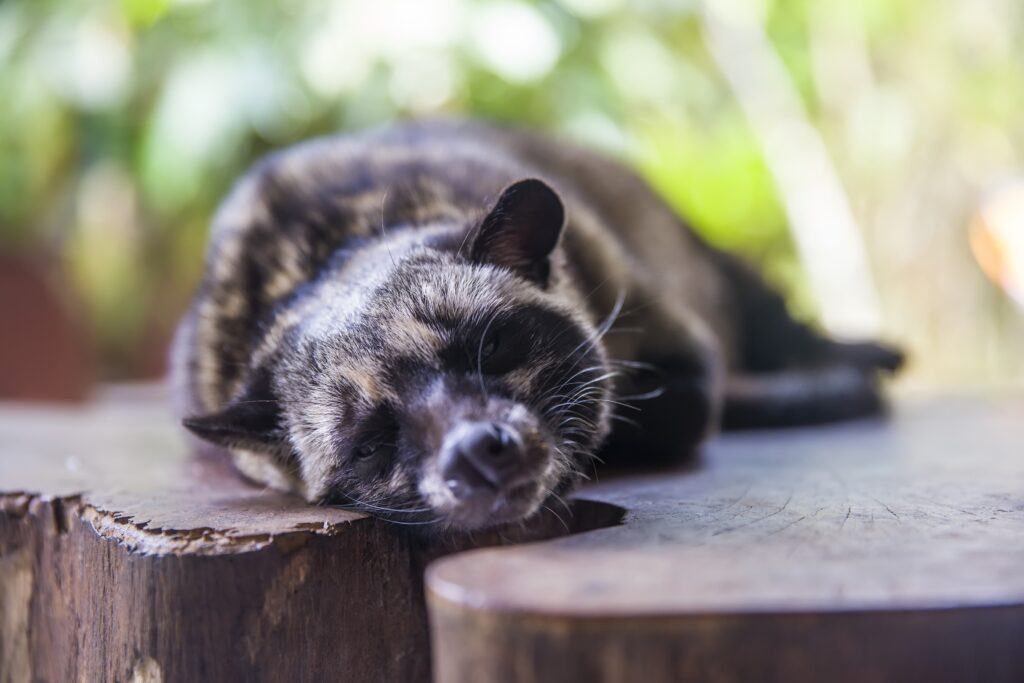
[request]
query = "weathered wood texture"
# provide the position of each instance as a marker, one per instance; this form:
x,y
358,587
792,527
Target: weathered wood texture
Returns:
x,y
123,558
862,552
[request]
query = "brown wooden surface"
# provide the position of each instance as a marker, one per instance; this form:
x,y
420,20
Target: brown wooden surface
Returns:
x,y
866,551
122,557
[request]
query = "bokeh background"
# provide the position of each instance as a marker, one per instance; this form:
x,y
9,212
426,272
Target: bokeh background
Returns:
x,y
866,153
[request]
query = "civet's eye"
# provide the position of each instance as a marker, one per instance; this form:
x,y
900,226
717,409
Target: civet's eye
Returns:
x,y
368,451
373,459
490,346
376,441
503,353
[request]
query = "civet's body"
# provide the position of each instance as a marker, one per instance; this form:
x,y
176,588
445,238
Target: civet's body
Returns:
x,y
443,323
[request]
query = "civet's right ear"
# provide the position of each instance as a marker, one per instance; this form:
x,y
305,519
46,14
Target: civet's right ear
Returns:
x,y
521,230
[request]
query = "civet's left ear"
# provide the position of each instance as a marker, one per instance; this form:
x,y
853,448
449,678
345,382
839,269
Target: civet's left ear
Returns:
x,y
522,230
250,420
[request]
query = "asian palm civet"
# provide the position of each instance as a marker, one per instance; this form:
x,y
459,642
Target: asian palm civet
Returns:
x,y
440,323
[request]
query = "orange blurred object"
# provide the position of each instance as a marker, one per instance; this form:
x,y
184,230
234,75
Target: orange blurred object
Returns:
x,y
997,238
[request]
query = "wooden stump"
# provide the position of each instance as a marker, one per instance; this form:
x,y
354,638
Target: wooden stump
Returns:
x,y
871,551
125,558
862,552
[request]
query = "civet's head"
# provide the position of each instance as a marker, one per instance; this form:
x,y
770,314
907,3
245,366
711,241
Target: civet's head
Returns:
x,y
450,386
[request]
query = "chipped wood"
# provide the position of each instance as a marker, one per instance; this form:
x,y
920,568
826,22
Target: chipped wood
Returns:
x,y
124,557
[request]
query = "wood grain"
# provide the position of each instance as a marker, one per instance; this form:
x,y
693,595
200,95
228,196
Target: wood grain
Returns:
x,y
869,551
123,557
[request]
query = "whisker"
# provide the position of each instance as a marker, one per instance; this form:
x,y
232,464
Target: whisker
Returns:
x,y
380,508
383,201
401,523
606,325
654,393
558,517
625,420
634,364
480,354
561,500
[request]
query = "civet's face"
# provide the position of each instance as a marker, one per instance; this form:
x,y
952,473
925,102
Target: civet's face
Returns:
x,y
455,390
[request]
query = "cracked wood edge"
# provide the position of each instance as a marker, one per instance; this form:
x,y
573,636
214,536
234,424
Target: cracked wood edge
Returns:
x,y
124,557
342,603
140,538
80,606
131,473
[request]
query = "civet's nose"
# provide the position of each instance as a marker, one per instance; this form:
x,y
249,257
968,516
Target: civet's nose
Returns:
x,y
481,458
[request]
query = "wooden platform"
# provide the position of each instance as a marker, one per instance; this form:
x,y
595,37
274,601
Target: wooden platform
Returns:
x,y
862,552
867,551
123,557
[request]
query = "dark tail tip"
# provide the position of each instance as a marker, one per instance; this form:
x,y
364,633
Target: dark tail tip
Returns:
x,y
869,355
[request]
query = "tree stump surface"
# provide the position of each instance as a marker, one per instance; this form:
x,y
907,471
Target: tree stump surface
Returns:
x,y
864,551
868,551
124,556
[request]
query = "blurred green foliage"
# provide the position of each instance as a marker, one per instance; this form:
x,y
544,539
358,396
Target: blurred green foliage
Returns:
x,y
125,121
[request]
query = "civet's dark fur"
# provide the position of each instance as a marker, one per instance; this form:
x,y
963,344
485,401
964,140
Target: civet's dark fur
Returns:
x,y
364,293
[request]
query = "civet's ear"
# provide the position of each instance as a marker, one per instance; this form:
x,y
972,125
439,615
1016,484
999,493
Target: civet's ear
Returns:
x,y
250,420
522,230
